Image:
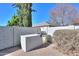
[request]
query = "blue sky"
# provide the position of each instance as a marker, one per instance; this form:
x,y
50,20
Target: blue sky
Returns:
x,y
6,12
42,14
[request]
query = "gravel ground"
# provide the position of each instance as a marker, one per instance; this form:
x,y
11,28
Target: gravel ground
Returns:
x,y
46,51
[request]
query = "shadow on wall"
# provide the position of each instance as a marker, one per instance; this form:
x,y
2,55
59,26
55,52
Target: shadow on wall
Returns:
x,y
49,38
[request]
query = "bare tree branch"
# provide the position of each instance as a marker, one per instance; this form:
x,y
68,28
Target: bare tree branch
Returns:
x,y
63,14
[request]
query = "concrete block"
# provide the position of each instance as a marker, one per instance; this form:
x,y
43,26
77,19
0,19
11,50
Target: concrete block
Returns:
x,y
29,42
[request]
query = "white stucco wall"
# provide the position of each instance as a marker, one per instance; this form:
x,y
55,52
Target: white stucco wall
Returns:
x,y
76,27
51,30
10,36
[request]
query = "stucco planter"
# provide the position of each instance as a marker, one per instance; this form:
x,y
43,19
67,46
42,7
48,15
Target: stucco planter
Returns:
x,y
30,42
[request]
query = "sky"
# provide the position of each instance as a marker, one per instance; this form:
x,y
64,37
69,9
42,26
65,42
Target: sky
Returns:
x,y
41,14
6,12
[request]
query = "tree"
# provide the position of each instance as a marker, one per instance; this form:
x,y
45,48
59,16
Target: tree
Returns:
x,y
75,22
63,14
24,14
13,21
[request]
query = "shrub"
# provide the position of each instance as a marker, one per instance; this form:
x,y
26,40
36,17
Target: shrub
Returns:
x,y
67,40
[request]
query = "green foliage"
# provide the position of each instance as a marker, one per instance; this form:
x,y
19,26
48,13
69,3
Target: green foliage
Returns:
x,y
13,21
24,14
23,17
